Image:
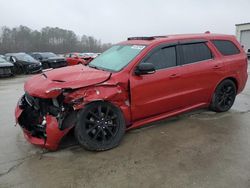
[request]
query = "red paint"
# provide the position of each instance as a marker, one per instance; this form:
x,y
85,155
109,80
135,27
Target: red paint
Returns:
x,y
54,135
142,99
67,77
77,58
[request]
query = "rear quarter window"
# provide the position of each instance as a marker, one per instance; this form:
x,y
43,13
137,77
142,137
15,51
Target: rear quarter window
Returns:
x,y
226,47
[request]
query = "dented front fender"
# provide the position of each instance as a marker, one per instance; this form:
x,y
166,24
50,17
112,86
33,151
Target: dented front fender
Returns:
x,y
115,94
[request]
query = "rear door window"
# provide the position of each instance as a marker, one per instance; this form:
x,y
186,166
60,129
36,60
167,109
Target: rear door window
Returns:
x,y
226,47
195,52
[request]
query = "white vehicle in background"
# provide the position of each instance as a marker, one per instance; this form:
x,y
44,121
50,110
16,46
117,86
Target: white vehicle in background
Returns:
x,y
88,57
2,56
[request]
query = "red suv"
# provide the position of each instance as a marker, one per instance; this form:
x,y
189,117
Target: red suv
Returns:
x,y
75,58
135,82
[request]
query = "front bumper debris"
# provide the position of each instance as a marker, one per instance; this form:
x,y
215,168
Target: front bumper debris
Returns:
x,y
39,128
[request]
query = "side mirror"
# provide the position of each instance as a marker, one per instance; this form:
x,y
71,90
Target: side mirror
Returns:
x,y
13,59
145,68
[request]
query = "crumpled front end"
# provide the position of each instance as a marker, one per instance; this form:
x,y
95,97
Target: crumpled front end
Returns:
x,y
48,109
44,121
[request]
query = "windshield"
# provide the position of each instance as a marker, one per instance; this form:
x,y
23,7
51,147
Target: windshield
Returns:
x,y
2,60
117,57
24,57
48,55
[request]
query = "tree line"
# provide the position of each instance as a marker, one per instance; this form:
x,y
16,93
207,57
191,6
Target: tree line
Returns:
x,y
48,39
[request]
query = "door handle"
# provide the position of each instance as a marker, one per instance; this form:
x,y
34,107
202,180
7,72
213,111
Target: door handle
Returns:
x,y
217,67
174,76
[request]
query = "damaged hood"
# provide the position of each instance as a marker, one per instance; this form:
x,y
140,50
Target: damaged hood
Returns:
x,y
71,77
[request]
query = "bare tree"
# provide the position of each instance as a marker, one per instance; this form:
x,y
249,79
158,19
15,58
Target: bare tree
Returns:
x,y
53,39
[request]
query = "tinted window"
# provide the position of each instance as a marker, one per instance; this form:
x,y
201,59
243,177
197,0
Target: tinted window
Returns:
x,y
47,55
36,56
226,47
163,58
195,52
24,57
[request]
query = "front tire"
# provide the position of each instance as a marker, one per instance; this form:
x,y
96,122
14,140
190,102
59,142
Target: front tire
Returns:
x,y
100,126
17,69
25,70
224,96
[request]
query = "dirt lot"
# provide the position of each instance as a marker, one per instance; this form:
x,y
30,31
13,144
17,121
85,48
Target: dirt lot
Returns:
x,y
199,149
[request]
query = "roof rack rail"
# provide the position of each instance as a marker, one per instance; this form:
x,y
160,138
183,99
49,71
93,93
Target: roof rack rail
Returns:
x,y
141,38
162,36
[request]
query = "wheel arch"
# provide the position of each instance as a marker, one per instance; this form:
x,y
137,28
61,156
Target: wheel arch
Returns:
x,y
114,94
123,109
232,78
102,122
215,106
101,100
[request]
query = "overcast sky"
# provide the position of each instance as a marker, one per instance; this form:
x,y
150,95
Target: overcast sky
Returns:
x,y
115,20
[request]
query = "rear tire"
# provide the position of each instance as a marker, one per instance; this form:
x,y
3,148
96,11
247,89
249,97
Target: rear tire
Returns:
x,y
224,96
100,126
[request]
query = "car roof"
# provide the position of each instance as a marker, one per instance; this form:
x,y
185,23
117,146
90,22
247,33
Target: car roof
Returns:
x,y
40,52
13,54
169,38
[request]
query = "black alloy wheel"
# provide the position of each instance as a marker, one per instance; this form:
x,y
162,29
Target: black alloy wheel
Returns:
x,y
224,96
100,126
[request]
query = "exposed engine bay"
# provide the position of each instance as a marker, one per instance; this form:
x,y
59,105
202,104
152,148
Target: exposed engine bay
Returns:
x,y
35,110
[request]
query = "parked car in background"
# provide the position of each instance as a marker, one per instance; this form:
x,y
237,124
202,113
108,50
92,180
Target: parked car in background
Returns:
x,y
49,59
75,58
24,63
6,68
60,55
88,57
2,56
248,53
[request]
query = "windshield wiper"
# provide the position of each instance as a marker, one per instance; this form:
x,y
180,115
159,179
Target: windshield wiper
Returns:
x,y
95,67
100,68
